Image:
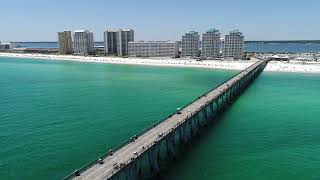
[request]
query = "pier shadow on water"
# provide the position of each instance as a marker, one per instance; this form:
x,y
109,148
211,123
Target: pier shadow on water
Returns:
x,y
185,150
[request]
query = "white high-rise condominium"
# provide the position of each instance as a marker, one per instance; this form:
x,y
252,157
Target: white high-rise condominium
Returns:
x,y
211,44
154,49
190,44
65,42
83,42
233,45
116,41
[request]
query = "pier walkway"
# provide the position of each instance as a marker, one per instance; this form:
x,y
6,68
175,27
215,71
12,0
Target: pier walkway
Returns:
x,y
144,150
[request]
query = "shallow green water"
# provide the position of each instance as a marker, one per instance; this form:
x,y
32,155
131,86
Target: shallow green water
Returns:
x,y
271,132
57,116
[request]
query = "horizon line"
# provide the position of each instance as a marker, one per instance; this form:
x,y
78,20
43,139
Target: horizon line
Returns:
x,y
173,40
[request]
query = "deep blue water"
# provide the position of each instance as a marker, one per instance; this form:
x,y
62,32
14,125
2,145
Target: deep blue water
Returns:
x,y
282,47
249,46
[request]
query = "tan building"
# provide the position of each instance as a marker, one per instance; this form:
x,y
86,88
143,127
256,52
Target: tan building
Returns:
x,y
65,42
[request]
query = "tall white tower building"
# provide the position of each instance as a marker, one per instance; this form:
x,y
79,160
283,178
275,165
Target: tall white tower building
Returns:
x,y
116,41
83,42
190,44
211,43
233,45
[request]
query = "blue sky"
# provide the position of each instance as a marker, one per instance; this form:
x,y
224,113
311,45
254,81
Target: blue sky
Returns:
x,y
39,20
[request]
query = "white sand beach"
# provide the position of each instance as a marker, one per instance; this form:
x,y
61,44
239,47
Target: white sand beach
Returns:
x,y
304,67
299,67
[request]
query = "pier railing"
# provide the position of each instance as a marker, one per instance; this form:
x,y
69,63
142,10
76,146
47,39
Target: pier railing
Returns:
x,y
103,156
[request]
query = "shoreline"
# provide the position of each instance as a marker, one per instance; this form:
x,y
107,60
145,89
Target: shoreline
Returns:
x,y
273,66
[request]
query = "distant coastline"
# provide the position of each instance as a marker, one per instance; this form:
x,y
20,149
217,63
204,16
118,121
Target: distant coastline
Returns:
x,y
253,41
298,46
275,66
287,42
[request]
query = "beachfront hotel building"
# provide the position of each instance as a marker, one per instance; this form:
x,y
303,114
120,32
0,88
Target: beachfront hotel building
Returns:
x,y
83,42
233,45
190,44
65,42
153,49
211,44
116,41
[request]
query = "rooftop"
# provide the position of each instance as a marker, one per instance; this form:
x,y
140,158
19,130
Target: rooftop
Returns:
x,y
116,30
192,33
213,31
153,41
81,31
236,32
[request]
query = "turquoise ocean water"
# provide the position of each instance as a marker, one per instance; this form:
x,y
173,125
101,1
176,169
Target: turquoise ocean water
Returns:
x,y
271,132
56,116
